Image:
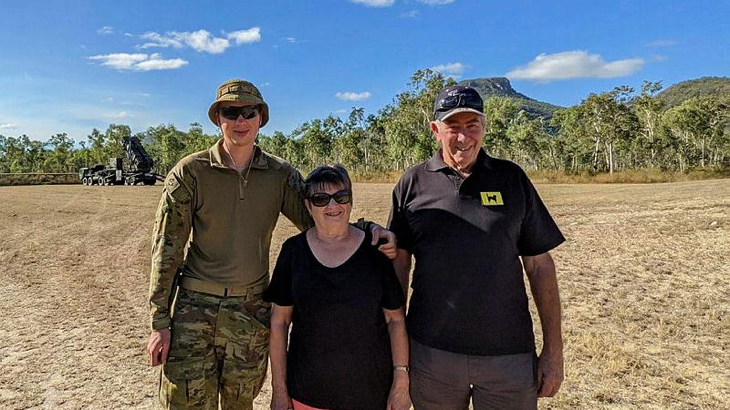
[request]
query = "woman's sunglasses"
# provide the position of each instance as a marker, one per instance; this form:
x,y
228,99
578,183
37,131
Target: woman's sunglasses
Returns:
x,y
323,198
247,111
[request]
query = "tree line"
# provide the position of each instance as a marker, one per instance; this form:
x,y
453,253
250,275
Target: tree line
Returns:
x,y
621,129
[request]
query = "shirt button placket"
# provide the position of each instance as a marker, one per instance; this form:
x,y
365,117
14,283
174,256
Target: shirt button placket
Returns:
x,y
457,182
241,186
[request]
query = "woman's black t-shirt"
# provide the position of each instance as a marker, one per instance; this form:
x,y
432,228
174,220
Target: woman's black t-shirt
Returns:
x,y
339,348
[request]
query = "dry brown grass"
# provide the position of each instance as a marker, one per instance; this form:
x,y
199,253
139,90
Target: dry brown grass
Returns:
x,y
632,176
38,179
644,280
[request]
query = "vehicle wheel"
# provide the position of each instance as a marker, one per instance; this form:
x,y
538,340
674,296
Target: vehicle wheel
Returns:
x,y
83,181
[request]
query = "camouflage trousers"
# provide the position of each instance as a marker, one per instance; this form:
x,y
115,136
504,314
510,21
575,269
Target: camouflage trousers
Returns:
x,y
219,350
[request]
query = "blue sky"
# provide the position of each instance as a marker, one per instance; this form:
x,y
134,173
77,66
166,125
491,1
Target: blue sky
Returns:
x,y
70,66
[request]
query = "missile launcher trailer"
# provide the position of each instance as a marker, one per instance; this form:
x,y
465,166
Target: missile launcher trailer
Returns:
x,y
139,170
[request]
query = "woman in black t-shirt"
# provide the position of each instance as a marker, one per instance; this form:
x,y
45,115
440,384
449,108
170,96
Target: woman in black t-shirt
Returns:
x,y
348,347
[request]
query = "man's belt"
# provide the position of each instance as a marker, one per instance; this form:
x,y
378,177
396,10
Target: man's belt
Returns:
x,y
215,289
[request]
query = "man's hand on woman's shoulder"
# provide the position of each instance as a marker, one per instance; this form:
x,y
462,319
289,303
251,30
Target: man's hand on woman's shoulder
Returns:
x,y
386,238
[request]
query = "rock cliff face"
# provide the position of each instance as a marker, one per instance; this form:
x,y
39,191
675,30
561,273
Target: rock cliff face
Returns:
x,y
501,87
494,86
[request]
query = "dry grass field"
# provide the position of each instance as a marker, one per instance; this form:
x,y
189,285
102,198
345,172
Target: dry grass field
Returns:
x,y
644,277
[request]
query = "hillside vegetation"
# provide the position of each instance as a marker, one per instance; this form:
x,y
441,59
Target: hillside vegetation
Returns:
x,y
619,130
717,87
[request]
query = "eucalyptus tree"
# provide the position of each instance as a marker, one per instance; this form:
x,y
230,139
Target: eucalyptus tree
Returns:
x,y
316,140
649,109
499,113
113,137
196,140
409,139
166,145
611,122
701,123
573,140
275,144
58,158
96,141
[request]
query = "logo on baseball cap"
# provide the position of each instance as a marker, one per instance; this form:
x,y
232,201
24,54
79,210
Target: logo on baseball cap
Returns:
x,y
456,99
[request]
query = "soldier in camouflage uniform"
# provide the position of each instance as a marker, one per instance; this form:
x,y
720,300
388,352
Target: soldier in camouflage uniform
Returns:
x,y
211,243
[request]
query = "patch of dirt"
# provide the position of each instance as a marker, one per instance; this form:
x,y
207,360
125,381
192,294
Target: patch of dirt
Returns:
x,y
644,281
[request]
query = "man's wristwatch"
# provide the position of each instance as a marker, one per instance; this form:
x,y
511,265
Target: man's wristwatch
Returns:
x,y
398,367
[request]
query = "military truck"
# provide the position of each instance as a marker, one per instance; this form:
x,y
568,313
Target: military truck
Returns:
x,y
138,171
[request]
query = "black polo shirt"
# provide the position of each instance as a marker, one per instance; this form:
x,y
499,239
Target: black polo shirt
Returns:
x,y
467,236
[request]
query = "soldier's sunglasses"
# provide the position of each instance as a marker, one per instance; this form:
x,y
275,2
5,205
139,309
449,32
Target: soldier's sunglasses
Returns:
x,y
247,111
322,198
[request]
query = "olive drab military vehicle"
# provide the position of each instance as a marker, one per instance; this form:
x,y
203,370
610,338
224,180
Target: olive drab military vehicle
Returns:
x,y
138,171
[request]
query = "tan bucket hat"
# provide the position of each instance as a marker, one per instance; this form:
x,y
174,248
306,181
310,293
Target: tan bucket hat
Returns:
x,y
238,91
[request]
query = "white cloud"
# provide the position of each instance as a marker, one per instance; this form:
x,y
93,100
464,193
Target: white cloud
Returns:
x,y
118,115
128,34
352,96
105,30
155,62
574,64
252,35
120,61
450,69
436,2
158,40
661,43
110,99
374,3
409,14
8,126
201,40
138,62
291,40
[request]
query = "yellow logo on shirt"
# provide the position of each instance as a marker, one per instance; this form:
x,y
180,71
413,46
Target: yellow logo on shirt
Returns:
x,y
492,198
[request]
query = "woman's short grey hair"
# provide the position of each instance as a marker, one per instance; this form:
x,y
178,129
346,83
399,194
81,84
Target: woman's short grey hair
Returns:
x,y
326,175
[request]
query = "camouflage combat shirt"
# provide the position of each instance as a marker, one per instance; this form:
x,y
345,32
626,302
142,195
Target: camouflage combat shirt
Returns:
x,y
226,219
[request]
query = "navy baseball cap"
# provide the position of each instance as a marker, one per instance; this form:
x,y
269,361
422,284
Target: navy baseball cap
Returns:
x,y
456,99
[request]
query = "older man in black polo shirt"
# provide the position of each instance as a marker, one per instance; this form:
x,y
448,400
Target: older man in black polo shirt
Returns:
x,y
473,223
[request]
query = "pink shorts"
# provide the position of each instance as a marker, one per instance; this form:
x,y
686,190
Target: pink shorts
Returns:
x,y
302,406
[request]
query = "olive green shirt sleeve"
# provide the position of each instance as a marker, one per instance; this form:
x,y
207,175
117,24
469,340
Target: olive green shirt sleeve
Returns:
x,y
169,239
293,204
